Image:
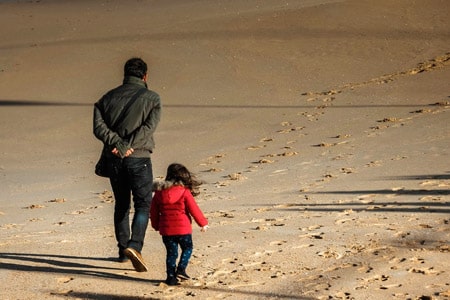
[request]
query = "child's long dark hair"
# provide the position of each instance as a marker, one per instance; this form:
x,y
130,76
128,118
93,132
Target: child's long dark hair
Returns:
x,y
179,173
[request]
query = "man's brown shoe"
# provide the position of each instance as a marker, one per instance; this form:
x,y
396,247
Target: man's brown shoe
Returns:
x,y
136,259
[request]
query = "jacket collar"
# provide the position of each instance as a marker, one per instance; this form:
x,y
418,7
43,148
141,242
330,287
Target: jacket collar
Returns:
x,y
133,80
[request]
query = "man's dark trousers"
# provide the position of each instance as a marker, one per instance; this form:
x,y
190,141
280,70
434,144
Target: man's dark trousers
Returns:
x,y
131,176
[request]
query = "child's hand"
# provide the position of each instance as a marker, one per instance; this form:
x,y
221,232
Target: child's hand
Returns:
x,y
204,228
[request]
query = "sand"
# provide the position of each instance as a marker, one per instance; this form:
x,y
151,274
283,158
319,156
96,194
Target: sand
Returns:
x,y
321,130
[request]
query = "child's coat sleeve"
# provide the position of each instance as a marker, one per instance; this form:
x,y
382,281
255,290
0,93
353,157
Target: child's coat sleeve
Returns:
x,y
194,209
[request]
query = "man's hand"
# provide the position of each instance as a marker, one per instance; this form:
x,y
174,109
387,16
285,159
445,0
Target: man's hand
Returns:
x,y
204,228
117,153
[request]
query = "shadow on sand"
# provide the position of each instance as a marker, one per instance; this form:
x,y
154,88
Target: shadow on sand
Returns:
x,y
431,204
212,106
71,265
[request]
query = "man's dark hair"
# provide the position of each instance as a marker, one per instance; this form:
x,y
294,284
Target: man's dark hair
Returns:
x,y
135,67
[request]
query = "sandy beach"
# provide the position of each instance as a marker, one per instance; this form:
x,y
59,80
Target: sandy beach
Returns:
x,y
321,130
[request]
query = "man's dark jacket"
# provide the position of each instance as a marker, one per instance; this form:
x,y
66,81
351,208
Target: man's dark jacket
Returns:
x,y
138,125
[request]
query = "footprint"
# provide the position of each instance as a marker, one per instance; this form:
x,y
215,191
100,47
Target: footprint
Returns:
x,y
292,129
259,254
77,212
220,184
347,170
288,153
330,253
263,209
366,196
431,198
35,219
219,272
328,176
277,243
365,269
346,220
303,246
316,236
214,170
57,200
374,163
35,206
64,279
255,147
389,120
323,144
429,182
342,136
236,176
421,111
266,139
106,196
424,271
10,226
314,227
389,286
441,103
226,215
61,223
264,161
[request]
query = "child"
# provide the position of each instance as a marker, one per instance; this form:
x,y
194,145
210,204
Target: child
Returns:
x,y
172,206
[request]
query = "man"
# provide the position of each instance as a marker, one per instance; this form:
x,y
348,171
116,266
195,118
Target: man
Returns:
x,y
127,134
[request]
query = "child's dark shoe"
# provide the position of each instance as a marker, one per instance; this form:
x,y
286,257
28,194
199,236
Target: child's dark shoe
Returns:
x,y
171,280
181,273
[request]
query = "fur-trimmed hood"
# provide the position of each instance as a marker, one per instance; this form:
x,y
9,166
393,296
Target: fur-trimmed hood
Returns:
x,y
165,184
170,191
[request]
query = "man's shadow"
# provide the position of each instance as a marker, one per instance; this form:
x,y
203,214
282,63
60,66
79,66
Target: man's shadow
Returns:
x,y
63,264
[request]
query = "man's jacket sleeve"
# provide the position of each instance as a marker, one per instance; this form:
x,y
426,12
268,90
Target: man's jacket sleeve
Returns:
x,y
143,136
102,131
